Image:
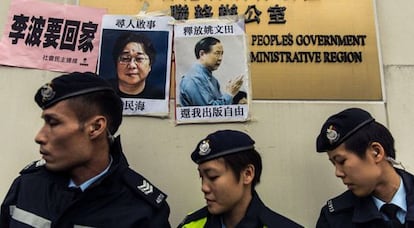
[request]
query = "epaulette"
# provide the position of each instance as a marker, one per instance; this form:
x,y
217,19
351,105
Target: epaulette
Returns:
x,y
342,202
33,166
194,216
144,188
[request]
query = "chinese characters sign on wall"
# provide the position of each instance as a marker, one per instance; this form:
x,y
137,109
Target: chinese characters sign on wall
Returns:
x,y
51,36
306,50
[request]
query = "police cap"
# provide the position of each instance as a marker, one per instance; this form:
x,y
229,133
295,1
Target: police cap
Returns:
x,y
340,127
69,85
221,143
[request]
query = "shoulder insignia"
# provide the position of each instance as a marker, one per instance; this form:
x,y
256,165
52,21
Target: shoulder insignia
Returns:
x,y
33,166
344,201
144,188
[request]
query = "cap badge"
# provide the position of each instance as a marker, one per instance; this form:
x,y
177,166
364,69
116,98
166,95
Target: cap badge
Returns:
x,y
332,135
47,92
204,148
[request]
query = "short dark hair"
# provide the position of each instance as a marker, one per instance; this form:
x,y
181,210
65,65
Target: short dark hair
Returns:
x,y
105,103
205,45
129,37
239,161
372,132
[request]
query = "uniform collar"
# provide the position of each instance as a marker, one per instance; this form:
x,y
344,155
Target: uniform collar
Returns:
x,y
118,161
366,208
250,219
398,199
87,183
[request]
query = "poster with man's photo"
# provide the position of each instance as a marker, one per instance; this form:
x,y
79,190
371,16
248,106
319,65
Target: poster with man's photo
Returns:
x,y
211,71
135,57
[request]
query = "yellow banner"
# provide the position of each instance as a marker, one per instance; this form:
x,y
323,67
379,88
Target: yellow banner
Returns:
x,y
299,50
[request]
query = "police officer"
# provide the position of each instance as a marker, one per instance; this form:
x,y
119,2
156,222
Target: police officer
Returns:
x,y
83,178
362,151
229,168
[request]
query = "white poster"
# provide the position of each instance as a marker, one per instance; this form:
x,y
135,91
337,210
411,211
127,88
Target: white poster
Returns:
x,y
135,57
212,71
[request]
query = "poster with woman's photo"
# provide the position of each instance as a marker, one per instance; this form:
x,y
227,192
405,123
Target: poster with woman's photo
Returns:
x,y
212,71
135,57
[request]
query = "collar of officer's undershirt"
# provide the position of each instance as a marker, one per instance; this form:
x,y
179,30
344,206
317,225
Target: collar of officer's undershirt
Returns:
x,y
87,183
398,199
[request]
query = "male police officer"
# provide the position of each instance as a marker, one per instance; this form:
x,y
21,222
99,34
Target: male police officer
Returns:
x,y
230,168
83,178
362,151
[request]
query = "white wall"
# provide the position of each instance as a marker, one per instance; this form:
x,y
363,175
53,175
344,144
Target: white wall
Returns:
x,y
296,180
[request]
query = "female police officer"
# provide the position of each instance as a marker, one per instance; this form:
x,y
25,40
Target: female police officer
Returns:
x,y
230,168
362,151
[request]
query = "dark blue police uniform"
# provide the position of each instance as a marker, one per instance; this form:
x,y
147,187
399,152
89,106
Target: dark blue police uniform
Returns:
x,y
257,215
348,210
119,198
40,198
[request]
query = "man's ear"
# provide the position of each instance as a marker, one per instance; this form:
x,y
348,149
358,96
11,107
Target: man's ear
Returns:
x,y
377,151
97,126
248,174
